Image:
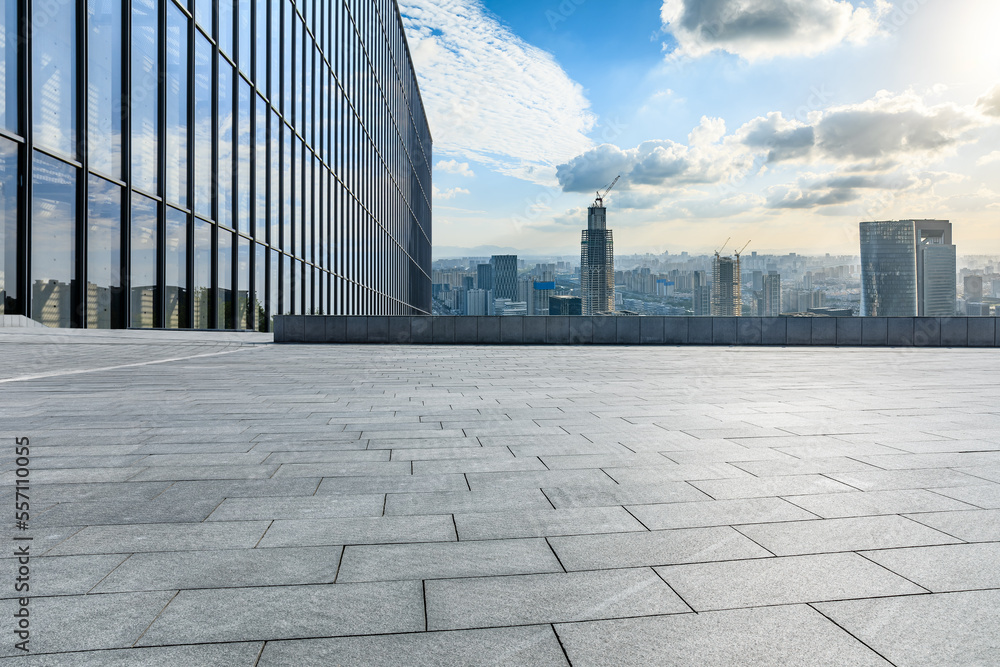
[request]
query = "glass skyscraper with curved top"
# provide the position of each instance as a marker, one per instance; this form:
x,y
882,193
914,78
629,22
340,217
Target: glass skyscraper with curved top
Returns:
x,y
210,163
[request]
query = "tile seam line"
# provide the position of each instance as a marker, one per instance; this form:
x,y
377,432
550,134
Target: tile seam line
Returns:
x,y
812,605
43,376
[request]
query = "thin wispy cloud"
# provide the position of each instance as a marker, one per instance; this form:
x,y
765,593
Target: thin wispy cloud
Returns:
x,y
491,97
765,29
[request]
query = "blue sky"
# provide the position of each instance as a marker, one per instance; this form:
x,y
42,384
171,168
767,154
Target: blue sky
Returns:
x,y
782,121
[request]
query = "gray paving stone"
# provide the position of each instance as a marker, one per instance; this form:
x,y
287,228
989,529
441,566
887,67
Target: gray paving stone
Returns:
x,y
717,513
86,622
143,511
223,569
662,547
486,602
62,575
360,530
204,655
799,485
544,523
971,526
499,647
853,534
887,480
453,502
775,468
675,473
393,562
629,494
958,567
308,611
447,453
477,465
927,630
392,484
183,473
262,509
790,580
763,637
871,503
986,497
162,537
584,461
536,480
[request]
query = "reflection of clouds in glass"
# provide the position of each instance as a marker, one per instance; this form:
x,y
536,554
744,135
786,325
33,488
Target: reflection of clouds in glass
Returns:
x,y
8,217
144,97
54,77
104,89
203,127
103,233
243,156
225,123
176,102
53,223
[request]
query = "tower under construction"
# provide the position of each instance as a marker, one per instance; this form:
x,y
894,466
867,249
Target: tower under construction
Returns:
x,y
597,260
727,288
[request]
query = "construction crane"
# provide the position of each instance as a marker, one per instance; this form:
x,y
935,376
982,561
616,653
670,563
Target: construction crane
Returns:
x,y
719,251
600,198
740,252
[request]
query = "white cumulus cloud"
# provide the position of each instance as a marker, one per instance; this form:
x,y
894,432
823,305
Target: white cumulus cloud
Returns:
x,y
491,97
763,29
455,167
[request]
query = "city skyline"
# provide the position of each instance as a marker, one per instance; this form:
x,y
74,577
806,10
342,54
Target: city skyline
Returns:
x,y
846,112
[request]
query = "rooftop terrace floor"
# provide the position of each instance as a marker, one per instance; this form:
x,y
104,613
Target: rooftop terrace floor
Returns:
x,y
212,499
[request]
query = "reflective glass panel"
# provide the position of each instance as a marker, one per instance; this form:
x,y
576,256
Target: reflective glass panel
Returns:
x,y
177,105
8,67
53,241
243,310
143,290
104,239
104,87
53,86
145,94
175,259
243,158
262,167
203,15
203,122
9,297
262,57
273,287
275,184
202,289
287,65
260,288
287,193
225,144
246,43
287,307
224,276
226,8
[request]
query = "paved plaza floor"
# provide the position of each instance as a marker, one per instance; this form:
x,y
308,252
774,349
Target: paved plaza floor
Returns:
x,y
213,499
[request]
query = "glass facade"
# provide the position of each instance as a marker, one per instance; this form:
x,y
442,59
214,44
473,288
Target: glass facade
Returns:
x,y
210,169
888,269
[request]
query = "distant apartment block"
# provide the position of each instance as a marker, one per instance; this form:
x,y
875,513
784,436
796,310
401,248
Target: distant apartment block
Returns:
x,y
504,280
727,293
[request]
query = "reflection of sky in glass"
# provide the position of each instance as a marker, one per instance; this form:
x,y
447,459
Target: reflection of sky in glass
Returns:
x,y
203,125
104,87
8,219
145,95
225,144
53,220
202,256
224,275
262,59
226,26
104,231
8,64
243,167
143,260
176,268
275,213
263,165
287,66
54,77
246,42
177,105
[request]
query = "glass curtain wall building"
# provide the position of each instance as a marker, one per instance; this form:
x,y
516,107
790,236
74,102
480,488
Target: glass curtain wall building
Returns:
x,y
210,163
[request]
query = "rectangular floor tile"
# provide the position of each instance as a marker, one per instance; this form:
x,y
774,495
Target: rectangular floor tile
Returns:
x,y
971,525
886,480
162,537
834,535
485,602
789,580
762,487
308,611
456,502
718,513
359,530
623,494
957,567
662,547
326,507
871,503
546,522
499,647
393,562
765,637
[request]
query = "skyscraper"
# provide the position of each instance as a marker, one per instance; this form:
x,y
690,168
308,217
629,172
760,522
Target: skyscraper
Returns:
x,y
484,276
771,294
702,293
597,262
908,268
170,165
727,293
504,276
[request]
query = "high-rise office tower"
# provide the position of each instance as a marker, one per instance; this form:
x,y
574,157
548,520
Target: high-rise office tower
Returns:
x,y
908,268
597,262
727,292
210,166
484,276
504,272
771,294
702,293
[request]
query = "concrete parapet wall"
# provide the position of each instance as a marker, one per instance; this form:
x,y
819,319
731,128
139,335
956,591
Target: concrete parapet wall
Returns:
x,y
562,330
